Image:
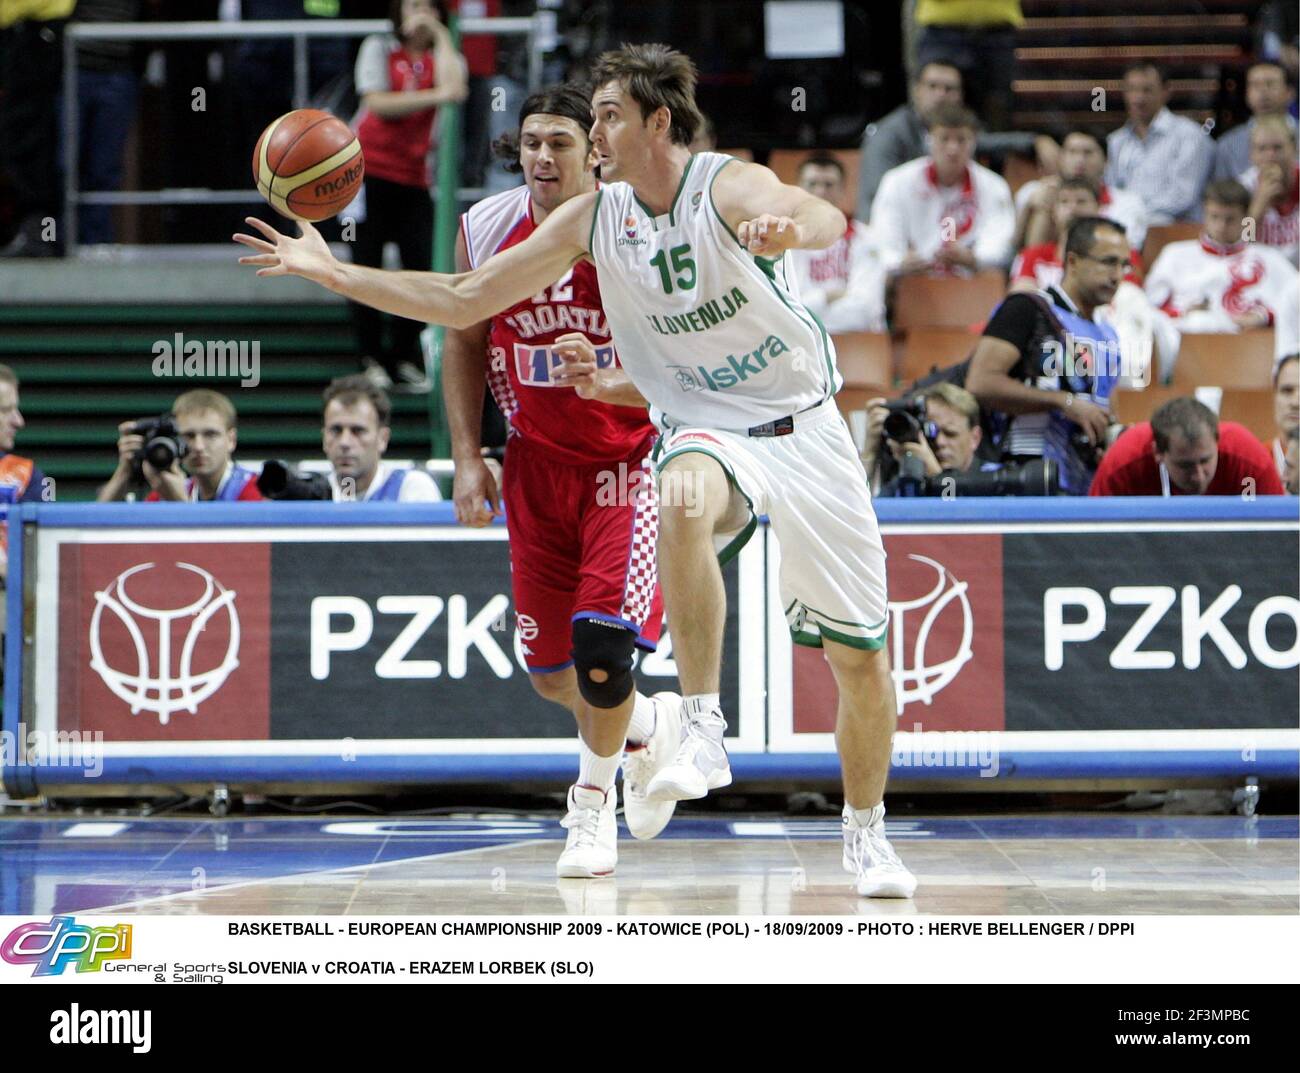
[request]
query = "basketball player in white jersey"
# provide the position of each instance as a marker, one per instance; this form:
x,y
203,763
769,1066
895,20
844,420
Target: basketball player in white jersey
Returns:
x,y
689,253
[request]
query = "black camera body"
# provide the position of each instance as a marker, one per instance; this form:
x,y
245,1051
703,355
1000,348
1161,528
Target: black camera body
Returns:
x,y
162,447
278,481
906,421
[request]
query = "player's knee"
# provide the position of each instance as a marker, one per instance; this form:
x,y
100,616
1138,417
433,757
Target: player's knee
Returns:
x,y
693,494
557,687
602,658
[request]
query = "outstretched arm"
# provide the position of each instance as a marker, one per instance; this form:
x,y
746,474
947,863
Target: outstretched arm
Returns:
x,y
769,217
456,301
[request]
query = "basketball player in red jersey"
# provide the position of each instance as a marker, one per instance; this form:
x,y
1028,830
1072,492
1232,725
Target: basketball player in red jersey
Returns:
x,y
580,501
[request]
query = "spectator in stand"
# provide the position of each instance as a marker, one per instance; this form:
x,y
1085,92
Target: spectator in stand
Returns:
x,y
843,284
1273,180
1044,368
1040,266
1291,463
1267,94
1082,156
1185,450
1286,405
206,423
355,433
21,480
31,70
902,135
106,95
1162,158
979,37
401,79
1218,283
943,213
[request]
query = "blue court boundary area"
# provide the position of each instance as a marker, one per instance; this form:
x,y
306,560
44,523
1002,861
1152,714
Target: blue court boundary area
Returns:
x,y
460,768
995,511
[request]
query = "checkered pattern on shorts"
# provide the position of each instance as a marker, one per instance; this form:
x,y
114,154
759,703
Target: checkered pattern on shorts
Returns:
x,y
642,574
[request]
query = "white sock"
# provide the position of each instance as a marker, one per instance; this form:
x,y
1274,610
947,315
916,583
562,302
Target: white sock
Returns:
x,y
697,704
597,771
703,711
642,725
864,817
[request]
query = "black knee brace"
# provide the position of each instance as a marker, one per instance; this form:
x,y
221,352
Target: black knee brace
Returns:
x,y
603,646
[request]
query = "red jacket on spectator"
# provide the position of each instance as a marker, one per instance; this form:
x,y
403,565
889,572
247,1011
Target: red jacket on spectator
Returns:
x,y
1129,468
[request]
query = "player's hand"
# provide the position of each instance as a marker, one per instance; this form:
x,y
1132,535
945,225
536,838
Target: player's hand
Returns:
x,y
278,254
1093,419
768,235
579,369
475,492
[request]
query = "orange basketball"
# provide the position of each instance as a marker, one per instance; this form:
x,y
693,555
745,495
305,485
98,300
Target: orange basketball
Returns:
x,y
308,165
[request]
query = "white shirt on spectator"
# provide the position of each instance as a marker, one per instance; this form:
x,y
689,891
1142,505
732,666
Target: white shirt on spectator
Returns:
x,y
911,208
418,486
1225,280
1167,169
1125,208
844,284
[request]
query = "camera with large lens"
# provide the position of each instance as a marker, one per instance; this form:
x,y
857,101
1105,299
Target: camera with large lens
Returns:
x,y
162,444
278,481
905,422
1039,477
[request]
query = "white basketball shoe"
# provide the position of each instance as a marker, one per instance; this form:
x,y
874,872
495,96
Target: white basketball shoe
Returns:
x,y
646,818
700,765
869,856
591,850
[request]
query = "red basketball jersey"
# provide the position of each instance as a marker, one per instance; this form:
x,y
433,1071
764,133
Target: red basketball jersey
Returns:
x,y
520,359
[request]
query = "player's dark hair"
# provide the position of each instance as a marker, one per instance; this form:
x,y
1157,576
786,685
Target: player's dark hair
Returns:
x,y
1228,192
822,159
350,390
1282,363
1082,235
920,71
1185,415
572,100
655,76
952,116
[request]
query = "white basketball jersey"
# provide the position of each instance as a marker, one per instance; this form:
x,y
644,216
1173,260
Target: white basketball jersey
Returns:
x,y
710,334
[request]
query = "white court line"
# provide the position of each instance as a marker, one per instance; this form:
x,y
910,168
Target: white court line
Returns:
x,y
272,880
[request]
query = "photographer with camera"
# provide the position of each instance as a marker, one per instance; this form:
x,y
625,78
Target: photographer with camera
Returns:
x,y
934,438
200,434
355,433
1044,369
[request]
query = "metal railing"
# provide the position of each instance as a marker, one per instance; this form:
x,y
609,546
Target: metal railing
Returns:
x,y
300,31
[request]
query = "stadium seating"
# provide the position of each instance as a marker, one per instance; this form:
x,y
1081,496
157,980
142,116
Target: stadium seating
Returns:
x,y
926,349
865,362
1160,236
1229,361
948,301
1252,407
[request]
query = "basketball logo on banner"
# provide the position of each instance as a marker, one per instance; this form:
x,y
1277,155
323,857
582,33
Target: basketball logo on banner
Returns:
x,y
151,686
919,680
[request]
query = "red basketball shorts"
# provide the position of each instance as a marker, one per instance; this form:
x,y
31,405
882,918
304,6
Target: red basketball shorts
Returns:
x,y
582,546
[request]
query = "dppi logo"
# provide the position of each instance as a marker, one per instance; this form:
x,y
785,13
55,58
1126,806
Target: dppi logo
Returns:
x,y
152,686
61,942
918,680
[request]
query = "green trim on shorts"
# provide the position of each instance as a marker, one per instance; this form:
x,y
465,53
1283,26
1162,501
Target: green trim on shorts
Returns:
x,y
814,640
840,621
743,537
